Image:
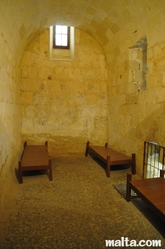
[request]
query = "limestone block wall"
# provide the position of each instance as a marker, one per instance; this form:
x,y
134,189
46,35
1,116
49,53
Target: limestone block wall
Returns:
x,y
64,102
10,117
137,114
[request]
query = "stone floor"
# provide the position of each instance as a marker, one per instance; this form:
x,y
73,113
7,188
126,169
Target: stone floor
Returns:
x,y
79,209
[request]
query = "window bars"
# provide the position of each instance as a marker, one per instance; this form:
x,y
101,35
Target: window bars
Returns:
x,y
153,159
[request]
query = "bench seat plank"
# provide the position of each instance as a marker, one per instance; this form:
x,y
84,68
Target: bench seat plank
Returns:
x,y
151,190
110,156
35,157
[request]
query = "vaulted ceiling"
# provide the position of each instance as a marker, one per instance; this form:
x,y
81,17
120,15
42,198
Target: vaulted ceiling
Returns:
x,y
20,20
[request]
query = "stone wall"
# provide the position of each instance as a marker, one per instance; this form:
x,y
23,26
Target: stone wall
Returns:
x,y
10,117
137,114
64,102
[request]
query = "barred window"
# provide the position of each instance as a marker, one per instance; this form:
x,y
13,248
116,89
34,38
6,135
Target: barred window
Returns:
x,y
61,37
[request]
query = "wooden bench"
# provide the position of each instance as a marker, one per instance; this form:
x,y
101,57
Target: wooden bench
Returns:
x,y
151,191
110,156
35,157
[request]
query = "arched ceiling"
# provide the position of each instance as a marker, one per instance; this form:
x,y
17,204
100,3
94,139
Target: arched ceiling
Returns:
x,y
102,19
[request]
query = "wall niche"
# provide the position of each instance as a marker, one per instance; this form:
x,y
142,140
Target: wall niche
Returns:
x,y
138,64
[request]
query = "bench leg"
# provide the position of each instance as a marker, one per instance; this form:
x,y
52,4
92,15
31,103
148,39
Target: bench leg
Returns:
x,y
128,187
20,172
86,150
108,166
133,164
50,170
162,172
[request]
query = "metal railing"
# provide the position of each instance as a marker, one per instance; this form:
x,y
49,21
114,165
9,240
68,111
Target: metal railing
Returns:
x,y
153,159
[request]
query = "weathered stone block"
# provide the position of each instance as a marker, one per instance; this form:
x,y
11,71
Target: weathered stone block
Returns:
x,y
68,99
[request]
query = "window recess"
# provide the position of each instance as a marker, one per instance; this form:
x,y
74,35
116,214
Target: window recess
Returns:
x,y
61,42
